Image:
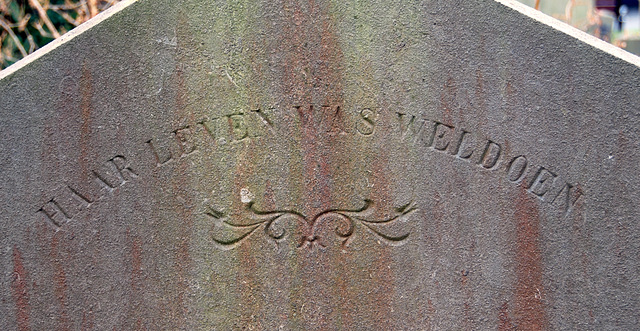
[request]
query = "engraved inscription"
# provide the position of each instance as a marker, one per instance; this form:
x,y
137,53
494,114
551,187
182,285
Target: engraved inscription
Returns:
x,y
68,202
272,223
184,136
366,124
243,126
332,119
540,181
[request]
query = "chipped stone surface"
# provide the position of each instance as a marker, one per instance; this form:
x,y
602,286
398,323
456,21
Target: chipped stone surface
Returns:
x,y
320,165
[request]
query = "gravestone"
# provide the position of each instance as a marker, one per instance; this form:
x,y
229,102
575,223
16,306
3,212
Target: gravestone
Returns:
x,y
216,165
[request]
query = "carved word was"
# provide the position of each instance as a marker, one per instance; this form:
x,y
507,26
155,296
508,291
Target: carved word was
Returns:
x,y
331,119
241,126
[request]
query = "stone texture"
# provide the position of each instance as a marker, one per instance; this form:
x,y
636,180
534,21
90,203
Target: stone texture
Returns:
x,y
321,165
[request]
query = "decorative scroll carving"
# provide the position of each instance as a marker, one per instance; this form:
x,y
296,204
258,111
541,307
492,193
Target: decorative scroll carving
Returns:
x,y
273,225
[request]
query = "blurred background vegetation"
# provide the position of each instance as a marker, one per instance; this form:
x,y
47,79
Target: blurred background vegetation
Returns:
x,y
26,25
615,21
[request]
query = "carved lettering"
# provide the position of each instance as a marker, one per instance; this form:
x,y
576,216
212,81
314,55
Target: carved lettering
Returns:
x,y
442,137
305,115
542,182
331,119
109,187
212,129
235,127
54,213
517,168
82,201
567,197
261,117
68,202
123,168
411,126
459,143
238,127
491,155
327,118
184,136
162,156
365,124
460,148
65,205
407,125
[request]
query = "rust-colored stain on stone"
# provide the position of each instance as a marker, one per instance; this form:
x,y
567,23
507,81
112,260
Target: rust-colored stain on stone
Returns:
x,y
86,87
313,124
504,319
136,295
20,293
61,288
529,311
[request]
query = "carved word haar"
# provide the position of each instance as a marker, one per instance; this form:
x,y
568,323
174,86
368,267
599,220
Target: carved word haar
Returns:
x,y
231,128
104,181
540,181
545,184
272,225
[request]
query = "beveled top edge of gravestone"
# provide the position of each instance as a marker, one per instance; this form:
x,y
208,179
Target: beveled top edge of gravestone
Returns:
x,y
572,31
65,38
513,4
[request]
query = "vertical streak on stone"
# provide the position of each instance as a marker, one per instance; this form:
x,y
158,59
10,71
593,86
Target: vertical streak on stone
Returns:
x,y
302,72
332,156
312,66
136,294
529,307
386,287
86,85
20,294
249,265
60,284
181,186
504,319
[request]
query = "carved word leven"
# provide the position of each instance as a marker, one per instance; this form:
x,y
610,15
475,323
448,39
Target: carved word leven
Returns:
x,y
232,234
540,181
70,201
232,128
241,126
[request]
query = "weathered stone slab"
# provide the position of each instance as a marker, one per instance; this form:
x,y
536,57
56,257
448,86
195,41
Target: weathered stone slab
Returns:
x,y
321,165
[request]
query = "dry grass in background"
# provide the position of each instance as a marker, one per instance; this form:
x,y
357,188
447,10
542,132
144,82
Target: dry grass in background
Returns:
x,y
26,25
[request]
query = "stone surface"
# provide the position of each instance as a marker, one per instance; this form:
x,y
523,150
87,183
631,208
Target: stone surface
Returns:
x,y
321,165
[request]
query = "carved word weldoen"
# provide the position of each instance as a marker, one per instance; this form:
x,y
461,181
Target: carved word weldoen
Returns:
x,y
540,181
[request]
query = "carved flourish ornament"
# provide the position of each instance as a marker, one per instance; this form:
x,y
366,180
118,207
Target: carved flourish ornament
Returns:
x,y
272,224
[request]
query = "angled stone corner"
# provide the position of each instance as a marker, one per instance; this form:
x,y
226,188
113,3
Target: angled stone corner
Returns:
x,y
320,165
